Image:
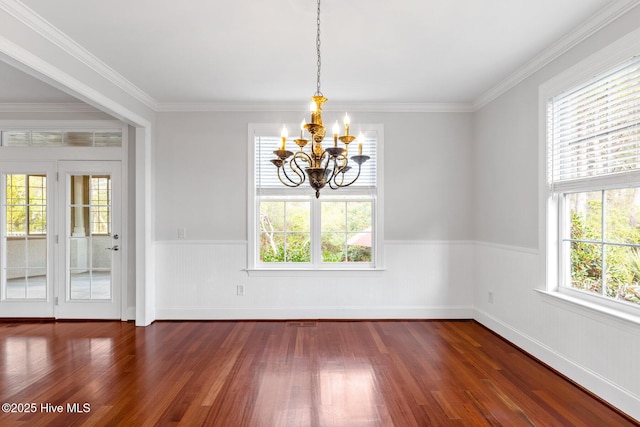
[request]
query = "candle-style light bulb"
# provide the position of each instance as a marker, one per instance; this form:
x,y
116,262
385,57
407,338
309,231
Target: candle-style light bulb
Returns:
x,y
347,121
336,129
360,141
283,134
314,112
302,123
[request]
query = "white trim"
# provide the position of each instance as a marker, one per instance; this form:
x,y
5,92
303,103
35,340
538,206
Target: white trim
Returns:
x,y
200,242
284,313
429,242
601,19
625,48
621,398
51,107
348,271
47,30
603,312
303,107
522,249
66,124
42,70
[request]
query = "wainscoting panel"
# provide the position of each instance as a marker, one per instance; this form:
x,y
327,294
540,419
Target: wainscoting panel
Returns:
x,y
595,350
200,279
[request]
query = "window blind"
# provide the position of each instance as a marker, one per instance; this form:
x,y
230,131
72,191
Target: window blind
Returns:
x,y
594,129
266,173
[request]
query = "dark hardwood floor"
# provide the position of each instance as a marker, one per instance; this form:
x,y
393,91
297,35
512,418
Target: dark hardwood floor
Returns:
x,y
271,373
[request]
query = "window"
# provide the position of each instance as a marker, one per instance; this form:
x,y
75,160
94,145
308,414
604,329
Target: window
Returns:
x,y
100,203
291,228
61,138
593,135
26,205
91,204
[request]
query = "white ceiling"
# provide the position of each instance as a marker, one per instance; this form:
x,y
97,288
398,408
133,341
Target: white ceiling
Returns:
x,y
373,51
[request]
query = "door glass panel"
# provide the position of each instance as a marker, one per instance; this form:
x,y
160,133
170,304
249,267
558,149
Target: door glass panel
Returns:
x,y
25,237
90,257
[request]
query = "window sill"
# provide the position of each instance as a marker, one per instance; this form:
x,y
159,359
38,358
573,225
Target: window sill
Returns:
x,y
310,272
557,297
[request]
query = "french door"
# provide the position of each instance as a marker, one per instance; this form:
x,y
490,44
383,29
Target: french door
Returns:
x,y
60,254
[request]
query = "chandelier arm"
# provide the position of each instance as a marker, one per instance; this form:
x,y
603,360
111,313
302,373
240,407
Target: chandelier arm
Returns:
x,y
297,170
289,182
354,179
300,155
334,175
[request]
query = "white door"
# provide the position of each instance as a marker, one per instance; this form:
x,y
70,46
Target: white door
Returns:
x,y
27,244
90,240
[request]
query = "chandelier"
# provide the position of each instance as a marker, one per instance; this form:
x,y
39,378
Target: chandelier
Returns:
x,y
322,165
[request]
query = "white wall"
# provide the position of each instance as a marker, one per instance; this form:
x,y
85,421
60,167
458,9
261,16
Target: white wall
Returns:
x,y
598,351
201,169
201,185
197,280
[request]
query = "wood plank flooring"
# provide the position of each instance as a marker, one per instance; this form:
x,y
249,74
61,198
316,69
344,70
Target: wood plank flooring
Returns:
x,y
276,373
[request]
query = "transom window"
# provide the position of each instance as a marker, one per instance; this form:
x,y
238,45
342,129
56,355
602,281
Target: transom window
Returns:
x,y
61,138
594,174
291,228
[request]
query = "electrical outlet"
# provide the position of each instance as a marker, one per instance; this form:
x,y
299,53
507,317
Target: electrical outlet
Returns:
x,y
240,290
182,233
490,297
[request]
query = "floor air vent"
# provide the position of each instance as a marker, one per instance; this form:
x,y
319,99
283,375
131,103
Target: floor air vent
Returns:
x,y
303,324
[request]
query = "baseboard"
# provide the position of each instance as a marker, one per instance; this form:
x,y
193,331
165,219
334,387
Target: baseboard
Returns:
x,y
285,313
620,398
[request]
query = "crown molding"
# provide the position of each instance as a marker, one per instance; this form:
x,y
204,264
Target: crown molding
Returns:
x,y
52,107
34,21
598,21
359,107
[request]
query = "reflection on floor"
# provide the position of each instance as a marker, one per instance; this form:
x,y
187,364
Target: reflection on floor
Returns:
x,y
94,285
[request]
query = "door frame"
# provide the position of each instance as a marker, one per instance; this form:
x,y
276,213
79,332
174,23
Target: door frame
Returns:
x,y
55,154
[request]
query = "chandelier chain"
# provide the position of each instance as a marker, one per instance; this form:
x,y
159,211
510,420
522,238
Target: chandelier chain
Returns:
x,y
318,92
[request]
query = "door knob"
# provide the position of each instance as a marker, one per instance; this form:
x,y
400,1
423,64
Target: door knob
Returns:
x,y
113,248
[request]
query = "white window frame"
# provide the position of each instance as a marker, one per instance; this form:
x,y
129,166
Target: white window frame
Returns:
x,y
326,194
551,203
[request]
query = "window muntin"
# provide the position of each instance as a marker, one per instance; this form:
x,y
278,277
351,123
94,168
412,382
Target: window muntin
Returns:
x,y
321,243
593,134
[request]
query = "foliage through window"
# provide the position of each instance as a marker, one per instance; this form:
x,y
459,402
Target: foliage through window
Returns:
x,y
294,229
594,158
100,202
604,242
26,205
